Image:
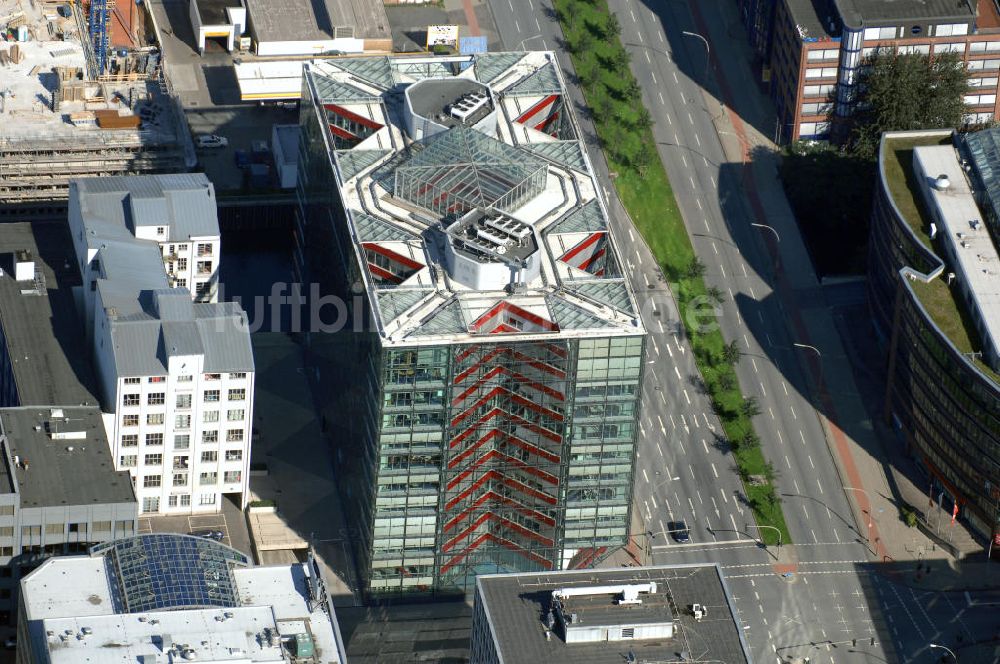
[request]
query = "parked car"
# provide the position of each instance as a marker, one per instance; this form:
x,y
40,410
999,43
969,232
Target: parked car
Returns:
x,y
211,141
679,531
216,535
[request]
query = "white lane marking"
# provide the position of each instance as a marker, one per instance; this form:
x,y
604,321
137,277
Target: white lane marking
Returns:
x,y
688,399
645,475
691,470
820,486
715,248
704,159
695,419
697,140
672,423
754,363
745,340
780,437
511,6
811,465
663,429
801,436
652,499
705,445
744,266
705,221
663,398
714,185
651,62
795,483
817,542
698,491
662,529
791,408
752,294
714,471
675,73
784,387
734,522
836,535
664,103
760,315
678,372
655,347
517,26
698,201
537,24
691,178
661,36
634,20
787,462
762,388
771,412
690,119
683,158
641,40
725,499
806,512
671,355
658,448
639,256
723,270
630,235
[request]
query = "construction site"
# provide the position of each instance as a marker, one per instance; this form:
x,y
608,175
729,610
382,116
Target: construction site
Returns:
x,y
82,94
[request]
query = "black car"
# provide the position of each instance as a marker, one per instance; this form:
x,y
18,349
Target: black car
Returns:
x,y
216,535
679,531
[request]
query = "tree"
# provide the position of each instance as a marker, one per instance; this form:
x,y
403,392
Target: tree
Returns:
x,y
727,380
749,440
731,352
750,408
612,27
621,60
715,294
905,92
695,268
581,42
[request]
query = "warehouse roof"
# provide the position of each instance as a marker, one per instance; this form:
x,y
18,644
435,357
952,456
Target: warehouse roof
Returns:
x,y
297,20
66,461
42,332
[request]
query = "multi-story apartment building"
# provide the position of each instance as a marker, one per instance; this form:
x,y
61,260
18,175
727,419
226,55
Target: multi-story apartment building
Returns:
x,y
810,52
175,598
59,492
495,394
175,213
176,377
934,293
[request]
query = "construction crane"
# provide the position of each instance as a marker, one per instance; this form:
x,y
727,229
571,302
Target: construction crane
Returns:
x,y
99,12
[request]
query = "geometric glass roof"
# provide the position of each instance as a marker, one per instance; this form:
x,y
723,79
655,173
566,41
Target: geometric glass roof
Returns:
x,y
586,219
353,162
161,571
376,70
612,292
490,65
565,153
463,168
569,316
545,81
394,303
371,229
984,148
446,320
332,91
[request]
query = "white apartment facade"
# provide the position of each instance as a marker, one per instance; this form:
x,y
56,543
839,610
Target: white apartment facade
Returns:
x,y
176,374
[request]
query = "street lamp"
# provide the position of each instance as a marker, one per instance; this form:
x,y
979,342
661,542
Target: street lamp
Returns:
x,y
772,528
808,347
770,228
870,515
708,54
935,645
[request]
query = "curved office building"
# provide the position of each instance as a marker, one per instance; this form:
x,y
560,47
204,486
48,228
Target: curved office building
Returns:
x,y
934,293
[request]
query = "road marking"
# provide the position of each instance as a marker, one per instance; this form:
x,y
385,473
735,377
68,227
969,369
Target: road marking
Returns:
x,y
658,448
683,158
836,535
663,429
725,498
820,486
678,372
691,470
644,474
714,471
691,178
811,465
641,40
753,362
704,159
762,388
633,15
696,490
744,266
791,408
715,248
780,438
752,294
698,201
663,398
802,437
662,529
760,315
688,399
734,522
537,24
723,270
805,512
705,221
517,25
651,62
697,140
784,387
674,424
690,502
745,340
511,6
705,445
652,499
670,352
675,73
639,256
771,412
714,185
661,35
690,119
789,464
815,539
664,103
630,235
655,347
715,505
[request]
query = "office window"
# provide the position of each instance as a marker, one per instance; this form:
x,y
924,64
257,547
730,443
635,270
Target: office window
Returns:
x,y
821,72
976,100
6,531
237,376
182,422
124,528
984,47
156,379
101,527
185,500
209,436
171,501
153,460
239,394
156,398
161,230
880,33
823,54
130,400
130,439
182,442
130,420
204,268
213,376
235,415
151,481
209,457
208,478
78,528
203,289
31,531
182,264
206,499
184,401
187,378
983,82
231,477
180,479
128,460
210,416
154,419
204,249
55,529
950,30
182,247
952,47
234,435
211,395
6,510
151,504
181,283
132,381
154,438
234,455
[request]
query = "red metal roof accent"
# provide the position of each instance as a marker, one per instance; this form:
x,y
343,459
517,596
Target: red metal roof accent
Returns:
x,y
492,496
547,564
569,255
392,255
534,110
385,274
505,306
353,117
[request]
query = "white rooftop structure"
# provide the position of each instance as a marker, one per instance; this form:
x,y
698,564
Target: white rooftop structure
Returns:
x,y
971,252
472,204
73,608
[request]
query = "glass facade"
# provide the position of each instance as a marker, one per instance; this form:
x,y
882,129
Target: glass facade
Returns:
x,y
946,409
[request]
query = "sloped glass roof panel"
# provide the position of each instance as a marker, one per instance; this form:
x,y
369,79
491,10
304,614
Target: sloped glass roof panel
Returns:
x,y
569,316
463,168
491,65
544,81
586,219
424,69
371,229
447,320
376,70
612,292
984,148
352,162
394,302
161,571
566,153
331,91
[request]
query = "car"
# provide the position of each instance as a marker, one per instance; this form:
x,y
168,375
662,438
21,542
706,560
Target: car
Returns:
x,y
216,535
11,643
211,141
679,531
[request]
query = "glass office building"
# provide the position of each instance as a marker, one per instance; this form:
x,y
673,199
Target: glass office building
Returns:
x,y
492,363
943,393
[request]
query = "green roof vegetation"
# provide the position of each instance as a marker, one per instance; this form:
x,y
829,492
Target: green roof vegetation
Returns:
x,y
944,306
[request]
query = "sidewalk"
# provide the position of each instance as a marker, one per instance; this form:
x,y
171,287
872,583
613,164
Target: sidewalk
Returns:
x,y
857,448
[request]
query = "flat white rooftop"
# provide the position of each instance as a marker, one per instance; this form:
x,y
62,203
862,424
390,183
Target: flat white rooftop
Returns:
x,y
971,250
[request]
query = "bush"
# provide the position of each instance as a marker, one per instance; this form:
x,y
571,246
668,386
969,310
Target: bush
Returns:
x,y
261,503
909,516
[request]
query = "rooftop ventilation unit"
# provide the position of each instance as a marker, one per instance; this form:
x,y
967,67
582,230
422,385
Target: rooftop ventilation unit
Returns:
x,y
466,105
511,227
24,266
629,593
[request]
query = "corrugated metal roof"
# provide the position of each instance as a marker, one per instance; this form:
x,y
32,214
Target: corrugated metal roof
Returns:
x,y
174,304
226,339
138,348
181,338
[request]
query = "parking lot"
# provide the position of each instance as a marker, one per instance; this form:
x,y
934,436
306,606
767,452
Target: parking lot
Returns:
x,y
230,522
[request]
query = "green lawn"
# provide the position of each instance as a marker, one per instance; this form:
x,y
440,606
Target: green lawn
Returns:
x,y
624,127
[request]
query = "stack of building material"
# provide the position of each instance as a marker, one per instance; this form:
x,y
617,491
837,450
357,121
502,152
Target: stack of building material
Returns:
x,y
109,119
